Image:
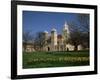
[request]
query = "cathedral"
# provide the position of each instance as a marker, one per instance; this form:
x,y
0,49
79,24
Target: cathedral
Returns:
x,y
58,42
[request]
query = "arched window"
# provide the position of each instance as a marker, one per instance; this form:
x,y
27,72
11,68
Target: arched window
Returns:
x,y
48,48
67,49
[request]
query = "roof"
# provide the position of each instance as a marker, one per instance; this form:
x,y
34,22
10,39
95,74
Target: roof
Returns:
x,y
45,31
53,29
59,36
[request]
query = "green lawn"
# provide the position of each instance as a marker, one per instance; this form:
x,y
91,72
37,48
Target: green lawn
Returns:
x,y
55,59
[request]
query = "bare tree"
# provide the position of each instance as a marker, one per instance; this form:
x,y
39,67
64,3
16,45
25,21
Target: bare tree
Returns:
x,y
83,19
84,22
26,38
77,36
85,40
39,41
76,39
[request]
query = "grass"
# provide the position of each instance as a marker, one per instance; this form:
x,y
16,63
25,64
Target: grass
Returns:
x,y
55,59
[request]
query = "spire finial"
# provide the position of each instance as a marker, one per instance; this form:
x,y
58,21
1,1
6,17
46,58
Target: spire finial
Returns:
x,y
65,25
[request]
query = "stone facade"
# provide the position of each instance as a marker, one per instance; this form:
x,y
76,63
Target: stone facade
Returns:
x,y
28,47
58,41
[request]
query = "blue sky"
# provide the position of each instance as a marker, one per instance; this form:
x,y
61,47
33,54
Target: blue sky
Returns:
x,y
44,21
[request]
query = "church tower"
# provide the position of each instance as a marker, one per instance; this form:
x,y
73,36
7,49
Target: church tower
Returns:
x,y
46,35
46,38
66,35
66,32
53,39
